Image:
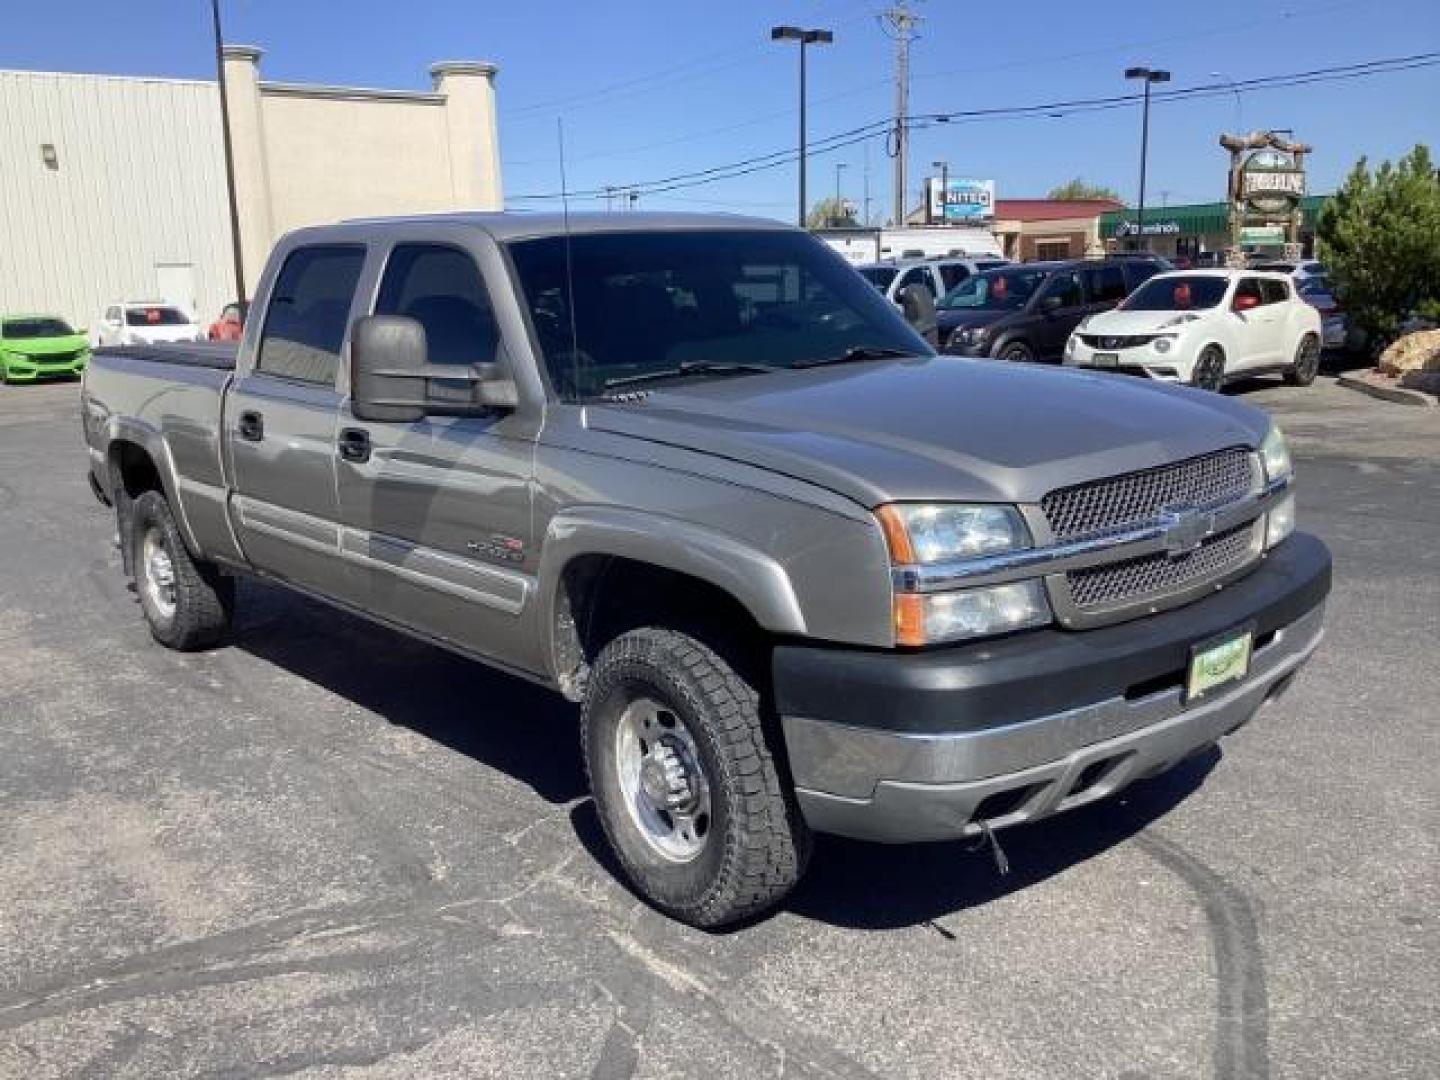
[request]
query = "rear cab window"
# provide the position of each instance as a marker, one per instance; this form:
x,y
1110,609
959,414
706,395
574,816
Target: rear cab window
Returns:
x,y
309,313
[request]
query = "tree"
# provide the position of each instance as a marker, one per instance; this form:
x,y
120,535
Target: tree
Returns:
x,y
1380,239
831,213
1083,189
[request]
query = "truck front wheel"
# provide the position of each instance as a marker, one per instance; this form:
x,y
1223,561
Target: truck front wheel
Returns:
x,y
187,603
685,782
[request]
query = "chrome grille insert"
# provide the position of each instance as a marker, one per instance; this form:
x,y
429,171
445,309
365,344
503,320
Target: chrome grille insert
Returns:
x,y
1156,576
1123,502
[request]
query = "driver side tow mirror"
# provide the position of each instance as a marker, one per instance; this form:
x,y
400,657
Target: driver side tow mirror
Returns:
x,y
392,379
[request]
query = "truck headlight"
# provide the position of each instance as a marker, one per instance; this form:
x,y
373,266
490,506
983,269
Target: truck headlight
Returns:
x,y
933,618
939,532
921,534
1275,456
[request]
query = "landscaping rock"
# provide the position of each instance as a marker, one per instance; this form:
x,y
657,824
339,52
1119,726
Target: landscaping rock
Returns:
x,y
1413,352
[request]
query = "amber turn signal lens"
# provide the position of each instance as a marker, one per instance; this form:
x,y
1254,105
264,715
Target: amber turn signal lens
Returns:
x,y
897,537
909,619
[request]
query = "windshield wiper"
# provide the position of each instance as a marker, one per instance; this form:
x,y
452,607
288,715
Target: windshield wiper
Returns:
x,y
854,354
689,367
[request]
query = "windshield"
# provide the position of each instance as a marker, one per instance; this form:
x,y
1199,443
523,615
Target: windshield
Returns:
x,y
879,276
656,301
44,327
1182,293
157,315
998,290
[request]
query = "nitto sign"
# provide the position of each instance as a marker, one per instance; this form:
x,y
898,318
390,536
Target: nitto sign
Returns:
x,y
961,200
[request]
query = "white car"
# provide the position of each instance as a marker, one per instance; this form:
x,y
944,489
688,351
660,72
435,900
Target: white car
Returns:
x,y
146,322
1203,327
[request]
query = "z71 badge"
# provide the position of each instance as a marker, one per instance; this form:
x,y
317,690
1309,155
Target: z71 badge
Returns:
x,y
498,548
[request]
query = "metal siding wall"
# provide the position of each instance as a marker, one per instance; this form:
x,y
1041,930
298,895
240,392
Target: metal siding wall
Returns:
x,y
141,180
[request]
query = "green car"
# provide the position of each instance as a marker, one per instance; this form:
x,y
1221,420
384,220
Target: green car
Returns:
x,y
40,347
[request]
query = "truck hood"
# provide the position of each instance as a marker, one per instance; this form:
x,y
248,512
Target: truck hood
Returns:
x,y
42,347
936,428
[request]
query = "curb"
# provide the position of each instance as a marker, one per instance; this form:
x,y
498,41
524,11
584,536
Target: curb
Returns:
x,y
1397,394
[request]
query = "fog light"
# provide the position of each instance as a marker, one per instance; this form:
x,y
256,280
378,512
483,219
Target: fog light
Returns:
x,y
1280,522
1162,344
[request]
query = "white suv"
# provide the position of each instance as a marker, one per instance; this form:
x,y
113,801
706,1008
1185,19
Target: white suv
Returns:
x,y
937,275
1203,327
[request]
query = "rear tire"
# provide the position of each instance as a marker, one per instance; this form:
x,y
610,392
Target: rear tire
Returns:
x,y
187,602
1307,362
687,787
1209,373
1017,352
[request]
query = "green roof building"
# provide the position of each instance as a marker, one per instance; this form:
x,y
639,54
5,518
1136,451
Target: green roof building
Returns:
x,y
1188,230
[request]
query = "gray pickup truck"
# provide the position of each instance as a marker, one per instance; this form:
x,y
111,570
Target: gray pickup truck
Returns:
x,y
694,473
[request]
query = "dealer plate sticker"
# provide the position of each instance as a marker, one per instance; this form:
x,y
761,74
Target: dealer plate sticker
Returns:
x,y
1218,662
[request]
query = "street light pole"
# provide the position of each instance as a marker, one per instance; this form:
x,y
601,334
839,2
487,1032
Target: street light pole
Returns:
x,y
1149,76
229,155
839,206
944,167
804,37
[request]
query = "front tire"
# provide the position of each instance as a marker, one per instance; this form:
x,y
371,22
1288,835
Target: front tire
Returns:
x,y
1307,362
1017,352
1209,373
686,784
187,603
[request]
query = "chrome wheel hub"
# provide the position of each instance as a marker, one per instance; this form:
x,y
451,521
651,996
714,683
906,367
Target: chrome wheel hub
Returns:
x,y
158,573
664,786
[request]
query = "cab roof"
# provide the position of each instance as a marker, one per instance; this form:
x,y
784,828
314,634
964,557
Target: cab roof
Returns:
x,y
513,225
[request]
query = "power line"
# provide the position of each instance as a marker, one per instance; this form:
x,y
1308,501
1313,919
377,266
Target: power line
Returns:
x,y
875,129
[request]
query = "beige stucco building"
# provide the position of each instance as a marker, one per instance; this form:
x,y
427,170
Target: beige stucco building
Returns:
x,y
114,187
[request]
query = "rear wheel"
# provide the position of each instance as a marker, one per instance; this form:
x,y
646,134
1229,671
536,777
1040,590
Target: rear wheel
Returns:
x,y
1017,352
1209,373
686,784
1307,362
187,602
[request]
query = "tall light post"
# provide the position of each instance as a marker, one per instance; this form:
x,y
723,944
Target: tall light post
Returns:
x,y
944,167
1149,76
839,204
805,38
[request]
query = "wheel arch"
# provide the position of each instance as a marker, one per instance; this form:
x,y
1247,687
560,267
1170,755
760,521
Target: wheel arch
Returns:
x,y
604,570
137,459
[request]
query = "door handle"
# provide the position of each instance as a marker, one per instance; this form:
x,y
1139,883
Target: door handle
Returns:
x,y
252,426
355,444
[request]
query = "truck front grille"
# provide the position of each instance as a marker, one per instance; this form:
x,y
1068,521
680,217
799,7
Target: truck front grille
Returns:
x,y
1150,577
1123,502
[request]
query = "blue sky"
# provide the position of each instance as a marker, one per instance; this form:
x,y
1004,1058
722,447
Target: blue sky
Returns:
x,y
650,89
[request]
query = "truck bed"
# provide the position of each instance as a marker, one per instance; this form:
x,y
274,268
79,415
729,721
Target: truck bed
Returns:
x,y
219,355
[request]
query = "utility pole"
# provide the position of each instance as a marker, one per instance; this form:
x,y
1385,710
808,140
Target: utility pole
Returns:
x,y
229,155
839,205
900,23
866,222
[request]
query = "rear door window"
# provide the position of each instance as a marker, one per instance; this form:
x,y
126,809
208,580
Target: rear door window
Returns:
x,y
952,274
916,275
309,313
1107,284
1064,284
440,288
1273,291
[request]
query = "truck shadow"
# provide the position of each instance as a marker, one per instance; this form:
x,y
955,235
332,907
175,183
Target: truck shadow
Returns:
x,y
499,720
530,734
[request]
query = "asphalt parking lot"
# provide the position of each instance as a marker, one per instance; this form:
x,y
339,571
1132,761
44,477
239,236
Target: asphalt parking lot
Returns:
x,y
327,850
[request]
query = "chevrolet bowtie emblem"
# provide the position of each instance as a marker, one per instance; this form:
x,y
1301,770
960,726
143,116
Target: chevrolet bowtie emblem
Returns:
x,y
1185,528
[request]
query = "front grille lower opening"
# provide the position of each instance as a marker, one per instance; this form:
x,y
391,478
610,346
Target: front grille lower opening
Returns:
x,y
1003,803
